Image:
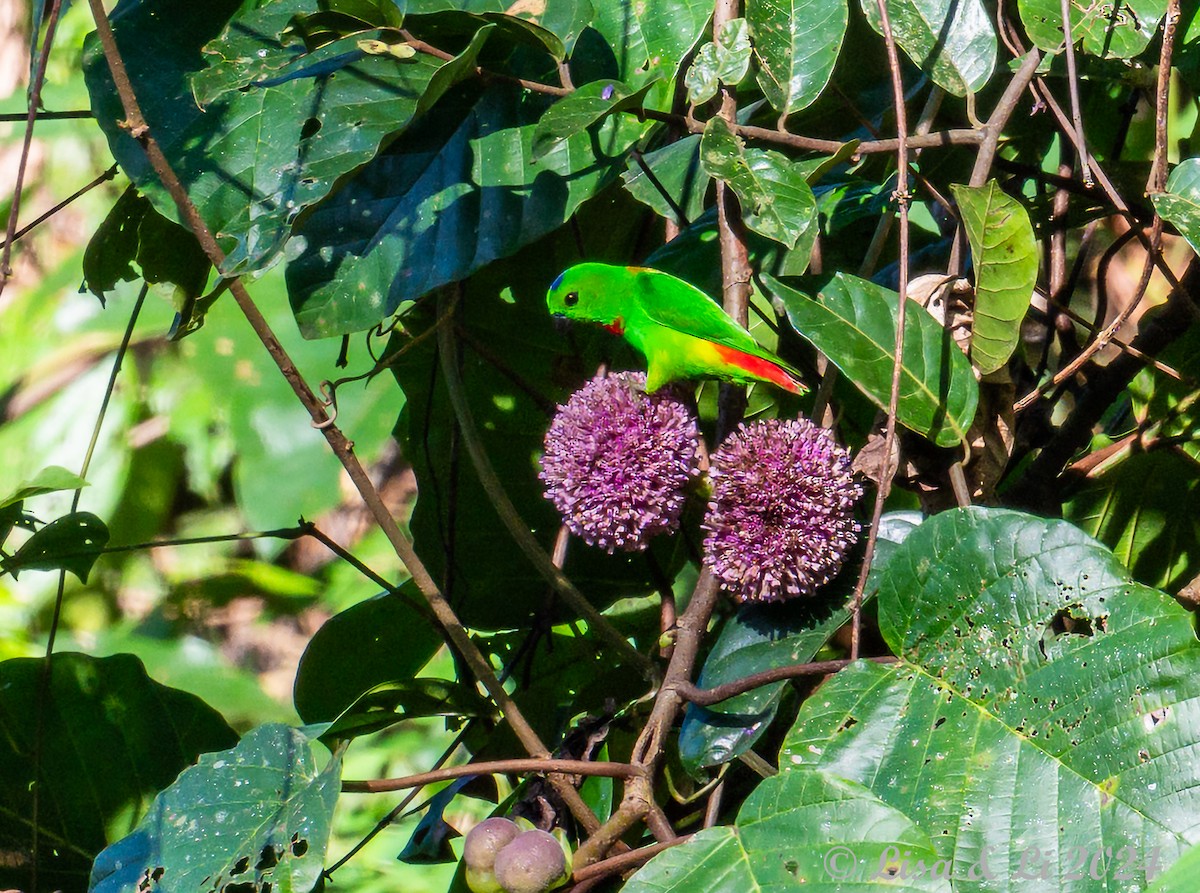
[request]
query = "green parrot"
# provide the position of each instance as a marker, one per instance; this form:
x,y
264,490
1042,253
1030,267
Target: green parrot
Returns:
x,y
679,329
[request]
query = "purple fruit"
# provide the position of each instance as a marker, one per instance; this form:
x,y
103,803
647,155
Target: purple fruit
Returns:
x,y
533,863
480,849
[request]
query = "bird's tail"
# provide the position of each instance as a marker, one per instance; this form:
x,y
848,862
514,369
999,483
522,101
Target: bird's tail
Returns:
x,y
763,369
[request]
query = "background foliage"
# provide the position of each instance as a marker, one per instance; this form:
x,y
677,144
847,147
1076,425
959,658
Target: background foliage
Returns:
x,y
226,620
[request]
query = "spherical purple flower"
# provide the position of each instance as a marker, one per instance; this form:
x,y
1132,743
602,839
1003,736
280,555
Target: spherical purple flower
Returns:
x,y
618,461
780,520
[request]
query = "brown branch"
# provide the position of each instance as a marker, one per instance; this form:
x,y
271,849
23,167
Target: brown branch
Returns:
x,y
534,86
1073,93
623,862
493,767
7,117
341,446
706,697
999,118
42,218
35,99
889,434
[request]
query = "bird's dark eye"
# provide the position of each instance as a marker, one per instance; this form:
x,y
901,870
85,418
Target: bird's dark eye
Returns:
x,y
571,298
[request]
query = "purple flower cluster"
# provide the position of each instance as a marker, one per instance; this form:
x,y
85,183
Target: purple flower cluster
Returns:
x,y
780,519
618,461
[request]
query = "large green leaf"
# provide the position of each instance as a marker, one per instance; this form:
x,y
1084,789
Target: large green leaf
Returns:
x,y
796,43
112,738
1165,406
724,60
1005,252
798,829
280,126
853,322
1180,204
650,37
566,19
1181,877
952,40
580,110
256,814
774,194
1121,30
764,637
1147,510
390,640
460,194
1035,679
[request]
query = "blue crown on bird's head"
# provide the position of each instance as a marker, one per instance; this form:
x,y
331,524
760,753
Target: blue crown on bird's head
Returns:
x,y
558,280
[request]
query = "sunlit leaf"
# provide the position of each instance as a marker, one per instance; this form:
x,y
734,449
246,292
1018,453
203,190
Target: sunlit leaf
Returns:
x,y
1121,30
50,479
952,40
853,322
1005,252
1180,204
796,43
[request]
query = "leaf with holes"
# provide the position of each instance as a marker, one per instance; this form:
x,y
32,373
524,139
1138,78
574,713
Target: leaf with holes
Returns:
x,y
72,542
952,40
1005,252
112,739
798,829
258,814
853,322
775,197
1180,204
723,61
1035,679
796,43
649,38
1112,30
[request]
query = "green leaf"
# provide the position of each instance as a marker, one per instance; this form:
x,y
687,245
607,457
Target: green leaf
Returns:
x,y
575,113
1006,266
1119,31
1147,510
256,814
468,197
112,738
279,128
797,43
1181,877
389,703
1165,406
952,40
677,169
776,200
564,19
1033,673
724,61
135,233
764,637
853,322
1180,204
72,542
650,37
50,479
390,640
797,829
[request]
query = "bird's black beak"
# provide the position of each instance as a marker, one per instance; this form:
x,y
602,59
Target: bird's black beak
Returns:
x,y
561,324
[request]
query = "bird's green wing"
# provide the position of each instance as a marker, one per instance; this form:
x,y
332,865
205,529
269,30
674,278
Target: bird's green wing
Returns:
x,y
679,305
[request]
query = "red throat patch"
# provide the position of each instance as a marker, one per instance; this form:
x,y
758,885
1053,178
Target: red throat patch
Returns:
x,y
617,326
759,368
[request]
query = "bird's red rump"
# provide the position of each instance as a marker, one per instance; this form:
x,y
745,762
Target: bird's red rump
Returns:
x,y
759,368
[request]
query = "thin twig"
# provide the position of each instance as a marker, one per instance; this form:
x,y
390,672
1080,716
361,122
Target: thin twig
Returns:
x,y
341,446
624,862
889,434
44,679
42,218
35,99
493,767
509,516
706,697
8,117
1073,92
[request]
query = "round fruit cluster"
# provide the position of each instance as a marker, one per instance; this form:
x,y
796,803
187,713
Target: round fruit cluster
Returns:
x,y
503,857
